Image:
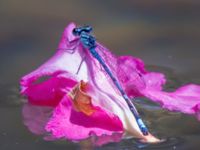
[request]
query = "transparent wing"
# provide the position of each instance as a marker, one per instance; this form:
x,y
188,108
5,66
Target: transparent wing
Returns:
x,y
112,61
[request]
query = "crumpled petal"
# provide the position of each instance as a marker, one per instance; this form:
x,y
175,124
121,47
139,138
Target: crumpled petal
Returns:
x,y
185,99
72,62
134,76
71,124
60,71
108,95
50,91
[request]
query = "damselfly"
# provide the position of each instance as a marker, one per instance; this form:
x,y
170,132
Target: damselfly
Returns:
x,y
89,42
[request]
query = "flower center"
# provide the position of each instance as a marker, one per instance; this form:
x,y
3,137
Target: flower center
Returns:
x,y
81,100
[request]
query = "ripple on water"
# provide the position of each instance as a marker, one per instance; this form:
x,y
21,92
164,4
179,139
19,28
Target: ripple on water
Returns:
x,y
169,143
134,144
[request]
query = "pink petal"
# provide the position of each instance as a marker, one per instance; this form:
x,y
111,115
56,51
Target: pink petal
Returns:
x,y
108,96
68,123
67,37
186,99
48,92
61,71
134,77
73,63
149,84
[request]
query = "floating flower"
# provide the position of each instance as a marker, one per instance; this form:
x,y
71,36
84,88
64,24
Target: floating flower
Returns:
x,y
86,102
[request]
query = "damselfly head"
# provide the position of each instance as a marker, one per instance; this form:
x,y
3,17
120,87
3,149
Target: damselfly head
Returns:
x,y
79,30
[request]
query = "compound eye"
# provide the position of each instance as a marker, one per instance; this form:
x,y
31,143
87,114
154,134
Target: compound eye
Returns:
x,y
78,31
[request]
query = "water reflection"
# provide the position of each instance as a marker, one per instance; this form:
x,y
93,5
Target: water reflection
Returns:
x,y
36,118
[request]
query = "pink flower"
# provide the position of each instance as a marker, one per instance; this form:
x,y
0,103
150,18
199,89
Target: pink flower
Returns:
x,y
84,98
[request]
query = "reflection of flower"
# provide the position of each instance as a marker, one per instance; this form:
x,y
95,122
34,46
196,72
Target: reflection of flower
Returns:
x,y
35,118
84,99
